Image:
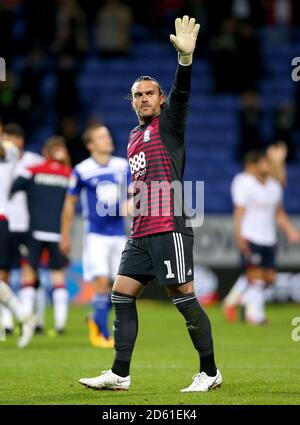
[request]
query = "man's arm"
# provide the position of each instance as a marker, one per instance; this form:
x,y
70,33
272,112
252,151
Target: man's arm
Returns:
x,y
176,105
184,42
277,156
286,226
66,223
240,199
242,244
21,182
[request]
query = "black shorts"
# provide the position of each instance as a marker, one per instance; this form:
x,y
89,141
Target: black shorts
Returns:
x,y
57,260
4,245
166,256
18,248
261,256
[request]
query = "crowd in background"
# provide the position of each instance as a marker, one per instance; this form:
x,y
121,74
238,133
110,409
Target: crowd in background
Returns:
x,y
57,36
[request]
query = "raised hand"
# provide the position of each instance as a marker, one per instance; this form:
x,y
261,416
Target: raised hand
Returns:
x,y
277,152
185,39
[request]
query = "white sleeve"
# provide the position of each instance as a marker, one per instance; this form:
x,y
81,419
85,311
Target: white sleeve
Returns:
x,y
29,159
280,193
239,192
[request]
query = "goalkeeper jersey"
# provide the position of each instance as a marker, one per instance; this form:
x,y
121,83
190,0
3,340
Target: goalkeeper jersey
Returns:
x,y
156,155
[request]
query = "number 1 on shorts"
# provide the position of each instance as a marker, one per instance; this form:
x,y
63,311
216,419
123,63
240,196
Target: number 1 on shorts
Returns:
x,y
170,274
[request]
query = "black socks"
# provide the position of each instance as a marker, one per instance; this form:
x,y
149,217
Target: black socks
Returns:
x,y
198,325
121,368
125,331
207,365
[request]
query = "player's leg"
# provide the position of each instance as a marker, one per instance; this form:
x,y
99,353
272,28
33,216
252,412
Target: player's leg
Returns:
x,y
94,331
7,297
60,296
253,297
233,298
115,245
60,299
20,259
9,300
30,282
27,293
28,322
99,321
111,249
205,285
134,271
5,263
4,249
7,320
124,294
40,309
125,291
197,323
260,272
172,255
17,254
96,269
199,328
6,313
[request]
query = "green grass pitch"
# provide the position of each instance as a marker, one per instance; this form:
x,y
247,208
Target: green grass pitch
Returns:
x,y
260,365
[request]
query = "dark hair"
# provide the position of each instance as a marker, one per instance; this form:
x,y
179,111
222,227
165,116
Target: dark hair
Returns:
x,y
14,129
148,78
253,157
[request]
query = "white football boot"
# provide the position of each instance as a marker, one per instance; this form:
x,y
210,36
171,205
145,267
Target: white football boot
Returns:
x,y
107,381
203,383
27,332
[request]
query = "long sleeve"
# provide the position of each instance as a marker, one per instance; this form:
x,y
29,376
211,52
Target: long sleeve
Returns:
x,y
174,113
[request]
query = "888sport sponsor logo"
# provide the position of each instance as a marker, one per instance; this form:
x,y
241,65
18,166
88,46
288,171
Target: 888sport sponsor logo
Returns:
x,y
138,165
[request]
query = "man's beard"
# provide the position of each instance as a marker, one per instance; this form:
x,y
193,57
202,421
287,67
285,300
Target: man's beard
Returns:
x,y
147,118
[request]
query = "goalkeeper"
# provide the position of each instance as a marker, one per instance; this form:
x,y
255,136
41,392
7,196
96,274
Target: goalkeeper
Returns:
x,y
160,244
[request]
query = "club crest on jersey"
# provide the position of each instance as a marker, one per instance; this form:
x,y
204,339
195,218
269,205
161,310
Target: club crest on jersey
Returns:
x,y
147,135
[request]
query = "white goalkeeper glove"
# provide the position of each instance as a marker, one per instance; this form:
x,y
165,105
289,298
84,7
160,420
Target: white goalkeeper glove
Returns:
x,y
185,39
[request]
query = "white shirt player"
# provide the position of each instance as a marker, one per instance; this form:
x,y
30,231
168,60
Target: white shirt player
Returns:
x,y
260,201
7,166
18,215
